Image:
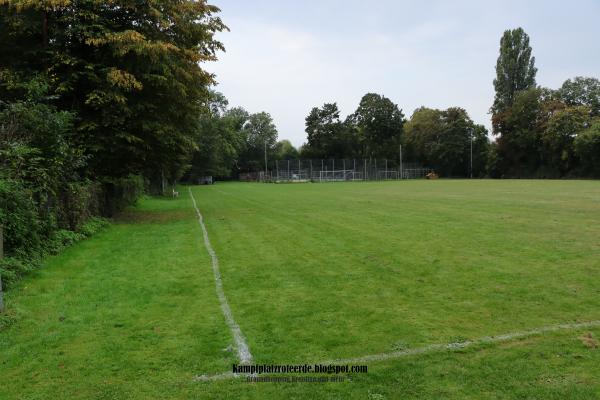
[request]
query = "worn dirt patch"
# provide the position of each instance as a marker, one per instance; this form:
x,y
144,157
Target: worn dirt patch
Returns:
x,y
589,340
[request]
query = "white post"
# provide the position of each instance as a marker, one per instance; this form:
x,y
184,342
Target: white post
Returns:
x,y
471,153
401,171
266,159
386,169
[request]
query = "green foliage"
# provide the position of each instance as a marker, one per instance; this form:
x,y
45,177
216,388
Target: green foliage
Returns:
x,y
119,193
515,68
129,70
373,130
327,135
92,226
442,140
587,148
519,145
558,134
220,139
581,91
379,126
285,150
13,269
62,238
23,236
35,144
259,133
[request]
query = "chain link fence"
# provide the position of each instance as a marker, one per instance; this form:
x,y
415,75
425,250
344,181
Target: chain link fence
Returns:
x,y
337,170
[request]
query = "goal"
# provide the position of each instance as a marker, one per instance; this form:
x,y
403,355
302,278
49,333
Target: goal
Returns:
x,y
340,175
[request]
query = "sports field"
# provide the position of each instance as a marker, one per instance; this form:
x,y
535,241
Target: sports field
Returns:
x,y
314,273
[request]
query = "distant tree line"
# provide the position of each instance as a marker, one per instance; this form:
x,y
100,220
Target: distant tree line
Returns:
x,y
538,132
436,138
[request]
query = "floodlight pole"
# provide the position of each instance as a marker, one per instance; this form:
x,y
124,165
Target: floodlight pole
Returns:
x,y
266,159
471,153
401,172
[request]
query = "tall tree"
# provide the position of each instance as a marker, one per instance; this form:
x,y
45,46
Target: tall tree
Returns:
x,y
379,124
587,148
328,136
515,68
519,145
220,140
442,140
260,136
129,70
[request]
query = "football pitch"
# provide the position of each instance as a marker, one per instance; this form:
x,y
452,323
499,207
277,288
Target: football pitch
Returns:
x,y
443,289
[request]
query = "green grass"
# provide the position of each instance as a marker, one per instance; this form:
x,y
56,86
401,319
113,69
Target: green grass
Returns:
x,y
315,272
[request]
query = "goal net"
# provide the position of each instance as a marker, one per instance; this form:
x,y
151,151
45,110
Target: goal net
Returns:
x,y
389,174
340,175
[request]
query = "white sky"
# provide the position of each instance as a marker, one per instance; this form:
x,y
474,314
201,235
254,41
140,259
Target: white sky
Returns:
x,y
285,56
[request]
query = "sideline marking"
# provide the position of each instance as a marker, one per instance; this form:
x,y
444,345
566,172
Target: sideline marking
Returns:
x,y
240,341
429,349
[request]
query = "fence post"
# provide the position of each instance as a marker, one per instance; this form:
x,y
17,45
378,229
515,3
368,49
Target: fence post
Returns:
x,y
1,255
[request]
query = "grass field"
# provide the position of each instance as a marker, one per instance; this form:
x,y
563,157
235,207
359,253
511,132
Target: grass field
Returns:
x,y
317,272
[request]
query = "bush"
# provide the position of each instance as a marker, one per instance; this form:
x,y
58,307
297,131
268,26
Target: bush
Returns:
x,y
78,202
30,233
20,218
13,269
587,148
121,192
62,238
92,226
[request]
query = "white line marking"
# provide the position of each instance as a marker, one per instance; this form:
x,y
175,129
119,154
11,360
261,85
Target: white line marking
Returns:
x,y
467,343
431,348
242,347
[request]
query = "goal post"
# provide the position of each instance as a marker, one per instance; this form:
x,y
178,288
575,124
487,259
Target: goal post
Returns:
x,y
339,175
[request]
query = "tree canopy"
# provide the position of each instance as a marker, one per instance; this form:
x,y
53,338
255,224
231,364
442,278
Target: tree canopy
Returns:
x,y
515,68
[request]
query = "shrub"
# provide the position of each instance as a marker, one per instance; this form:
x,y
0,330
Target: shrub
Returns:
x,y
121,192
20,219
587,148
13,269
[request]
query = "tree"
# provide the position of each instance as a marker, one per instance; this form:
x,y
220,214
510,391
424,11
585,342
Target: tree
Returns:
x,y
519,145
328,136
442,140
587,148
284,150
558,135
581,91
260,134
515,68
220,139
421,130
379,126
130,71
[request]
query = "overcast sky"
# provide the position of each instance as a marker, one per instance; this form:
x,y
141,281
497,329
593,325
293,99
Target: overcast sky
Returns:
x,y
287,56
